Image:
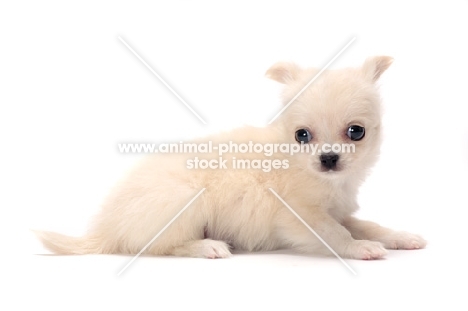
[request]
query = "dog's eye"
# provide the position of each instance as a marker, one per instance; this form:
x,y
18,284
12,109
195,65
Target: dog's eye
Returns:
x,y
356,132
303,136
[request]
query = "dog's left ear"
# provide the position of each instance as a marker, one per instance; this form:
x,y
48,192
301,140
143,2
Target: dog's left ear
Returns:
x,y
374,66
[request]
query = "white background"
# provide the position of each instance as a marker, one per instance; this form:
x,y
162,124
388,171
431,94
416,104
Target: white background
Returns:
x,y
70,91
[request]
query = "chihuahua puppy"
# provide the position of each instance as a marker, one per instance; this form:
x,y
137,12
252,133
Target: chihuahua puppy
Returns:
x,y
236,207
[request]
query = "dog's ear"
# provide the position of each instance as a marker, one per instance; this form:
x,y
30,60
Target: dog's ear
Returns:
x,y
283,72
374,66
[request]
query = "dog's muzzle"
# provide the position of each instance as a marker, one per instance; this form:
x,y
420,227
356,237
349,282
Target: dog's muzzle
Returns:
x,y
329,160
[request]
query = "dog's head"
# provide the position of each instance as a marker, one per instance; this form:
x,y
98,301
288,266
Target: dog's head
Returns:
x,y
337,116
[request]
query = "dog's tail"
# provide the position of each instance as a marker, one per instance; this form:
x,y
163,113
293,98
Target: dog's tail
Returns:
x,y
66,245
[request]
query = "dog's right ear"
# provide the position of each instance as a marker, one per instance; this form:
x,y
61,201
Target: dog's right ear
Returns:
x,y
283,72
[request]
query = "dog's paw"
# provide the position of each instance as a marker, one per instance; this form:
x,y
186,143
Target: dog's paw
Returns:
x,y
206,248
365,250
403,240
214,249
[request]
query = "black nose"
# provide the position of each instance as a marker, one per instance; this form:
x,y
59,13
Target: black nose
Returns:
x,y
329,160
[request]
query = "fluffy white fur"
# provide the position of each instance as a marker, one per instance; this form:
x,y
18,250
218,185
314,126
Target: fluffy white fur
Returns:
x,y
237,210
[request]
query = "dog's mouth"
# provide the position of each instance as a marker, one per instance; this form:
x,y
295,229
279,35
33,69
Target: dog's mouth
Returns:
x,y
330,170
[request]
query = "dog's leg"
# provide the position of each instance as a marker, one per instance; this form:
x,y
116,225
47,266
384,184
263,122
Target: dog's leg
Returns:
x,y
297,236
391,239
206,248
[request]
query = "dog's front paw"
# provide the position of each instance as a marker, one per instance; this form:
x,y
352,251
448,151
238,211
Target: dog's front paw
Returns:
x,y
214,249
403,240
365,250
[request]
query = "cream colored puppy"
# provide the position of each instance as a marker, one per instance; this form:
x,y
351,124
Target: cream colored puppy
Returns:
x,y
237,210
